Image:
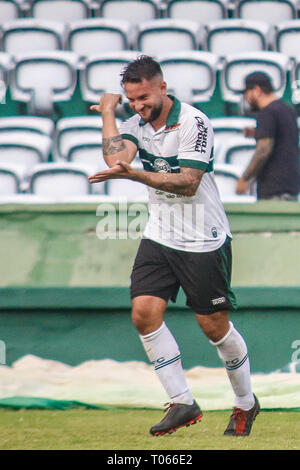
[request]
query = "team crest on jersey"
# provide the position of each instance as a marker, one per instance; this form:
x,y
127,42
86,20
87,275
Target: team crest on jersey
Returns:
x,y
161,166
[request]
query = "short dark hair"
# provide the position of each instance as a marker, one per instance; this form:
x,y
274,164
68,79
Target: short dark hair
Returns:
x,y
142,67
260,79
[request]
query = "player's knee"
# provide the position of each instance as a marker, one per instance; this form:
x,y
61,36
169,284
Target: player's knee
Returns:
x,y
146,317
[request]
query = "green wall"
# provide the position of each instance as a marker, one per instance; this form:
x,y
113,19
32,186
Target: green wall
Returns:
x,y
64,292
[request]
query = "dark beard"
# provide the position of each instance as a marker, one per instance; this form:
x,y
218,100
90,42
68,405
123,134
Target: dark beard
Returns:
x,y
155,113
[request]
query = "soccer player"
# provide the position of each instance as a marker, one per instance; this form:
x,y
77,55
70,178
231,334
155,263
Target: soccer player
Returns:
x,y
187,240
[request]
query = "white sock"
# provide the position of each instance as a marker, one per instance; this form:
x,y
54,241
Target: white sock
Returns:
x,y
232,351
163,352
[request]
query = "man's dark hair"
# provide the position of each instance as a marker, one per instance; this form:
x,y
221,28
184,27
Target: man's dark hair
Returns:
x,y
140,68
260,79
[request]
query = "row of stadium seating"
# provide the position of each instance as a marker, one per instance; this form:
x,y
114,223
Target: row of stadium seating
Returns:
x,y
47,160
41,79
96,35
202,11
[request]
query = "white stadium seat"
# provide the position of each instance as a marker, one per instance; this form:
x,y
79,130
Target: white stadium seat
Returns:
x,y
101,73
58,181
9,10
191,75
134,11
9,181
5,67
96,35
168,35
235,35
237,151
202,11
42,79
287,38
237,66
23,151
73,131
267,10
31,35
226,127
60,10
27,124
226,177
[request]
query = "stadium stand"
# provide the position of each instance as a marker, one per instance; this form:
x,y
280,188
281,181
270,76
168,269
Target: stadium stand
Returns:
x,y
201,11
236,151
42,79
22,151
168,35
60,10
58,180
101,72
235,35
226,176
267,10
287,38
237,66
190,75
27,124
23,35
92,36
9,10
58,56
9,181
135,11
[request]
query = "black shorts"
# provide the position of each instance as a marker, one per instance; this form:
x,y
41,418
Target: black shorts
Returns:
x,y
205,278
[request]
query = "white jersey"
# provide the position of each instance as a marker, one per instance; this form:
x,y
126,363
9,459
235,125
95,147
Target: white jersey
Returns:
x,y
197,223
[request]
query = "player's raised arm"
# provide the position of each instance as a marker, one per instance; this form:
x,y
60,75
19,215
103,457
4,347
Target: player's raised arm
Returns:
x,y
114,146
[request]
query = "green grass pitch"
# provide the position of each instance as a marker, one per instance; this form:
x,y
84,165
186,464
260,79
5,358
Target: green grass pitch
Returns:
x,y
128,429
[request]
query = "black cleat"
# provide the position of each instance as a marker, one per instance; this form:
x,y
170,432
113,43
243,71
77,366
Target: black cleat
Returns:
x,y
241,421
178,415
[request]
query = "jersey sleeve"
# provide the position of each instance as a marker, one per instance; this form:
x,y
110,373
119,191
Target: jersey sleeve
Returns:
x,y
196,143
266,125
129,130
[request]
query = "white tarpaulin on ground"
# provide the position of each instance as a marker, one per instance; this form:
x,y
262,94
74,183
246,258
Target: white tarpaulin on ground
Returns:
x,y
134,383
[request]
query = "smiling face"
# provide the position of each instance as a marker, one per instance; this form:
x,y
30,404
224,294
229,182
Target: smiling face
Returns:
x,y
147,97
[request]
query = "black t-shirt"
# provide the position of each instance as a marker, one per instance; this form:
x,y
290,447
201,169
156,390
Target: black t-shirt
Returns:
x,y
280,174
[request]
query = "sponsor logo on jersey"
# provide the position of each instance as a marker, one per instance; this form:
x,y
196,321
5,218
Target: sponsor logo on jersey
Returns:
x,y
201,142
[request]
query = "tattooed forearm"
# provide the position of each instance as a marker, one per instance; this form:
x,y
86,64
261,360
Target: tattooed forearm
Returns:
x,y
263,150
184,183
112,145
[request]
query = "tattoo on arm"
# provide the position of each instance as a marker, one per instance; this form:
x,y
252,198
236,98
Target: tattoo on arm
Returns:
x,y
112,145
263,150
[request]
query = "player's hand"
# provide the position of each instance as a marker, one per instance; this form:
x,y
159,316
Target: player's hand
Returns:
x,y
120,170
108,102
242,186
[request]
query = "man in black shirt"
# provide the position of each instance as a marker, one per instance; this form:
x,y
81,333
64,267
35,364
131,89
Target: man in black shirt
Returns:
x,y
275,164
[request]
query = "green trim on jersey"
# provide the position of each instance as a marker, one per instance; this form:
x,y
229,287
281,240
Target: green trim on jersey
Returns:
x,y
150,162
199,165
193,164
131,138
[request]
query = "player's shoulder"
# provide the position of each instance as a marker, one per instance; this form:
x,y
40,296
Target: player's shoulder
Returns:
x,y
130,125
191,116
